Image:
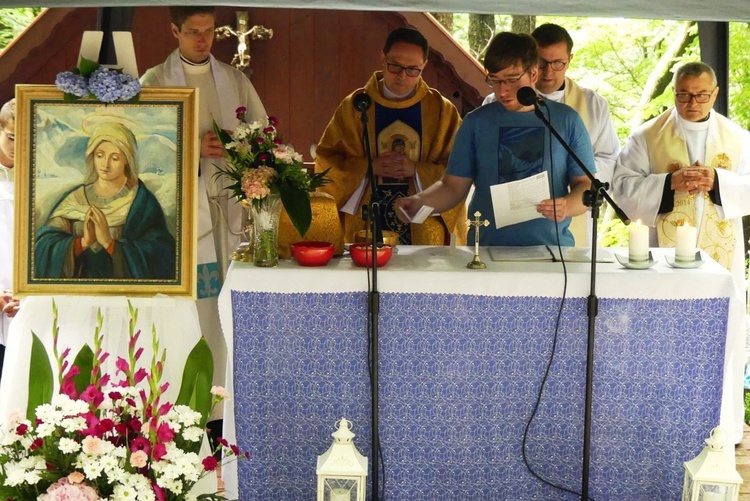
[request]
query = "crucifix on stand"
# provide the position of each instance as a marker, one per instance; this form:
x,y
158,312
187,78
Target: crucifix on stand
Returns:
x,y
476,263
241,59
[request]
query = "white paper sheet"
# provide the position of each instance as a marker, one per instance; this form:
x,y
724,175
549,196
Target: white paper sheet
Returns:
x,y
516,201
420,216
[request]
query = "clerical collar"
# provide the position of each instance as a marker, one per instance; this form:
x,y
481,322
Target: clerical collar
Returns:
x,y
389,94
557,95
694,126
195,68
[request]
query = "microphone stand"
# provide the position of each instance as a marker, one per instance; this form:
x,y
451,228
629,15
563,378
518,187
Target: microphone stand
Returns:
x,y
371,214
591,198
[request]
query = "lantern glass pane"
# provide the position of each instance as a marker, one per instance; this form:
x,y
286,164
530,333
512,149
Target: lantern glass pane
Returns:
x,y
340,489
715,492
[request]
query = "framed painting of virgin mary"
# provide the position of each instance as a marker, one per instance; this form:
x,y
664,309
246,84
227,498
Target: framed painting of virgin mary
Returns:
x,y
105,194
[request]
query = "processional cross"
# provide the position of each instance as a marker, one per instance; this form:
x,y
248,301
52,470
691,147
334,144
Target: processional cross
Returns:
x,y
241,59
476,263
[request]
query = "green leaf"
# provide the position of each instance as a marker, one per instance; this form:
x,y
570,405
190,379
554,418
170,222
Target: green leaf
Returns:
x,y
41,381
223,135
87,67
297,204
195,390
85,363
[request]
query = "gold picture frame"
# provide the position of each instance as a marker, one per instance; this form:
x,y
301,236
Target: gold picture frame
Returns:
x,y
77,229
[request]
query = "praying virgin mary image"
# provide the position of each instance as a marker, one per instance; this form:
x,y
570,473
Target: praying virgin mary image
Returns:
x,y
111,225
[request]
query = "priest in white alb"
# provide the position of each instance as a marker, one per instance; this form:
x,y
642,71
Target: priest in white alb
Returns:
x,y
222,89
692,165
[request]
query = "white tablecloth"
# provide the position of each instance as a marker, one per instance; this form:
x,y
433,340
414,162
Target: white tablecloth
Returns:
x,y
443,270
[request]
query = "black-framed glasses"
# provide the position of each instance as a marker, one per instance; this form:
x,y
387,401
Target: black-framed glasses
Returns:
x,y
686,97
11,137
557,64
494,82
411,71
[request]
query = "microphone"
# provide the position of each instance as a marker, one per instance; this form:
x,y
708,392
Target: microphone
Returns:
x,y
362,101
528,96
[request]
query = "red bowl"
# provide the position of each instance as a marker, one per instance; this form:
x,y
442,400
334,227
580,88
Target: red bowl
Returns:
x,y
362,254
312,253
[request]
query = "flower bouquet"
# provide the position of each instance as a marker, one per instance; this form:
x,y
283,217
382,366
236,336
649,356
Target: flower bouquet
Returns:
x,y
92,81
265,173
101,439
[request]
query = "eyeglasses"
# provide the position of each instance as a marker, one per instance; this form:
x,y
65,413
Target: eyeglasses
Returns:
x,y
11,137
686,97
557,64
493,82
411,71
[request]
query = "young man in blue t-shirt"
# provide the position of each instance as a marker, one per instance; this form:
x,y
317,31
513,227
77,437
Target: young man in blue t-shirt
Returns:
x,y
505,141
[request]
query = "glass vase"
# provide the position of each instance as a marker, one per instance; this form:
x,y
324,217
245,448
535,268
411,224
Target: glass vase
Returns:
x,y
265,217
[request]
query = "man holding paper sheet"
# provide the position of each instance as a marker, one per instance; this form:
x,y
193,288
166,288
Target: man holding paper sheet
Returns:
x,y
526,184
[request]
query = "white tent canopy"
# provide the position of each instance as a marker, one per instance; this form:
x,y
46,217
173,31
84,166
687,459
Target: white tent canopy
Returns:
x,y
693,10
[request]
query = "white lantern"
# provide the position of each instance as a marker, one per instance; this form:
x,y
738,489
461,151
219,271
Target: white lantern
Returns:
x,y
711,475
342,469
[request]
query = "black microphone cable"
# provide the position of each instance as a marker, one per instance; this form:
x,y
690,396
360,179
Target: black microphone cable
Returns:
x,y
535,100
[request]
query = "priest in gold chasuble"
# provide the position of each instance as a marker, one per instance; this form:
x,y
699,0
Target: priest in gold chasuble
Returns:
x,y
692,165
411,128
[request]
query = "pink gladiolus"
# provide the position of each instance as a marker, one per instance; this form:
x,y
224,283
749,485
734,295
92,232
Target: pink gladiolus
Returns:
x,y
160,450
159,492
164,409
140,444
134,339
69,388
115,395
140,375
164,433
92,395
122,365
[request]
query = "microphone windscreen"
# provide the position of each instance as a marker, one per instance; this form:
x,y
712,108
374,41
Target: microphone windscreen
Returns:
x,y
527,96
362,101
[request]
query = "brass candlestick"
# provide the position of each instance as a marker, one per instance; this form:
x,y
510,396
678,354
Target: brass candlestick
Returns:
x,y
476,263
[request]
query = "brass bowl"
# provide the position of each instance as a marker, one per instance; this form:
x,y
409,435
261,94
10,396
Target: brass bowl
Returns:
x,y
389,237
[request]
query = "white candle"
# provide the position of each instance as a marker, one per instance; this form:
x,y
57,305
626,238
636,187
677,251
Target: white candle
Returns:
x,y
638,242
686,238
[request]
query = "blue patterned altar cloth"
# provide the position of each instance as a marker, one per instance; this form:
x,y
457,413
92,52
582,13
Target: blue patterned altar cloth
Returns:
x,y
459,376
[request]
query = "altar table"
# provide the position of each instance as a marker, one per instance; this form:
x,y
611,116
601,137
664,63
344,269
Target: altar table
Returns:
x,y
462,357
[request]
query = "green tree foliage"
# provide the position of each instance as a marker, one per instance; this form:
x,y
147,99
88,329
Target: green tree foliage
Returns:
x,y
14,21
739,73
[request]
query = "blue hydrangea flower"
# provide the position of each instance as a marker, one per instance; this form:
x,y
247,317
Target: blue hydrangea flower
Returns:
x,y
104,83
130,87
70,83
